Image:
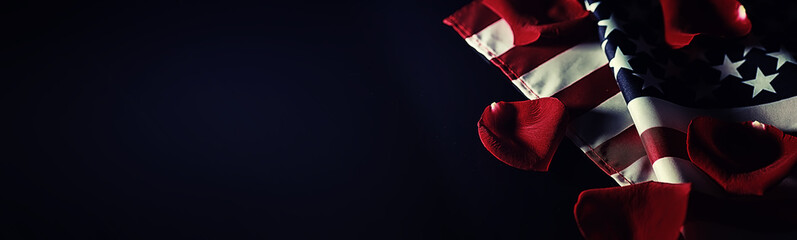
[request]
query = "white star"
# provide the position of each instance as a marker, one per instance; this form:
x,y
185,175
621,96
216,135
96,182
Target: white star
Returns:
x,y
672,70
761,82
620,60
650,81
782,57
603,44
591,6
611,24
642,46
752,42
728,68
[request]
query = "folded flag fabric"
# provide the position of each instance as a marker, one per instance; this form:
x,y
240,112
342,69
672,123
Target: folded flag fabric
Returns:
x,y
572,68
733,79
639,85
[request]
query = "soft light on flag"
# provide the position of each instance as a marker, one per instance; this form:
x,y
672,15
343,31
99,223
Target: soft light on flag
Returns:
x,y
573,69
633,87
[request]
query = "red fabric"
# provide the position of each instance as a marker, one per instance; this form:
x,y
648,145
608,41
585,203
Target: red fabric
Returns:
x,y
523,134
650,211
743,159
664,142
685,19
588,92
625,148
531,20
471,19
520,59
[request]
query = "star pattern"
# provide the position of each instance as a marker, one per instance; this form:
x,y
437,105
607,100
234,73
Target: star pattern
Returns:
x,y
761,82
642,46
649,80
620,60
603,45
712,76
591,6
728,68
709,73
751,43
610,24
672,70
782,57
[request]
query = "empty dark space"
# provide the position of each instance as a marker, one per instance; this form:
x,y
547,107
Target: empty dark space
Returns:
x,y
261,120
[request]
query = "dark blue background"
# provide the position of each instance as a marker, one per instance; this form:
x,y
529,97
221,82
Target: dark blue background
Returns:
x,y
324,120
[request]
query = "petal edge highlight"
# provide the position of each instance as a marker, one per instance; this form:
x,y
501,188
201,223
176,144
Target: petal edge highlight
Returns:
x,y
523,134
743,158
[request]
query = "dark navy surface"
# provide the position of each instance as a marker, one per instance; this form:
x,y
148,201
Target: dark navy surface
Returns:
x,y
260,120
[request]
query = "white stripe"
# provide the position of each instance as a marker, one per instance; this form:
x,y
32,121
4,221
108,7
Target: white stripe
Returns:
x,y
602,123
638,172
678,170
649,112
493,40
525,90
564,69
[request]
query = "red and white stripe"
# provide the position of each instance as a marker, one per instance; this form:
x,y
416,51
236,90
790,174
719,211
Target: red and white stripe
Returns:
x,y
640,141
576,72
662,127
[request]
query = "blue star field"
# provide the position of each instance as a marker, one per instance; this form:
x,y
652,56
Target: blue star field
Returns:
x,y
711,72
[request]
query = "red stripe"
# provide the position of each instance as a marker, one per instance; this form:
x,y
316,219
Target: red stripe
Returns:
x,y
522,59
471,19
619,152
662,142
519,60
588,92
613,155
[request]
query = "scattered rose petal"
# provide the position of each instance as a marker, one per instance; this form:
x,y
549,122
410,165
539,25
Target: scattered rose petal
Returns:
x,y
530,20
685,19
650,211
523,134
744,158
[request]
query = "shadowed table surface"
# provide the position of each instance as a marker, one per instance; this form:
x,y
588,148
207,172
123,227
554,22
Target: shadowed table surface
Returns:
x,y
252,120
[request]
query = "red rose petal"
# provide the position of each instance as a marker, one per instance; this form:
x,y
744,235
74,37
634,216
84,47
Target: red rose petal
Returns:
x,y
742,157
685,19
650,211
523,134
530,20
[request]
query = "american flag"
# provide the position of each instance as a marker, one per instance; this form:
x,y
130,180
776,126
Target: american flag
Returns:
x,y
743,79
574,70
633,96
